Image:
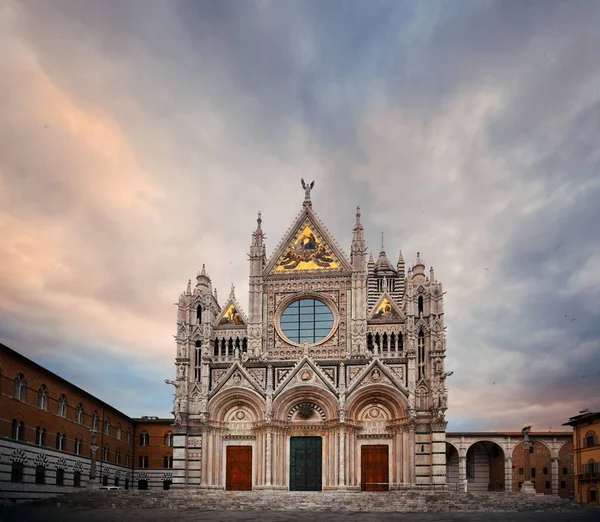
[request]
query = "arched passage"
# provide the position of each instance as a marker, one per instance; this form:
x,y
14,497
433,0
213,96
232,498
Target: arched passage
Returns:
x,y
540,467
452,478
485,466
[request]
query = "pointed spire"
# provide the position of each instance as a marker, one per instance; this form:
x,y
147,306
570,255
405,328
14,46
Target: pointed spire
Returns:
x,y
371,261
232,292
215,295
359,247
382,251
203,272
400,258
188,290
431,275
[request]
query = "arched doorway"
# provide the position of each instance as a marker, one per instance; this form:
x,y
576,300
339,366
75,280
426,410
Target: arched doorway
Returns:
x,y
485,467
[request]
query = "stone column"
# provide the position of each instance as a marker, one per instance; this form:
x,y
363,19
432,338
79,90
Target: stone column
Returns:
x,y
462,470
268,452
508,474
555,478
342,460
411,453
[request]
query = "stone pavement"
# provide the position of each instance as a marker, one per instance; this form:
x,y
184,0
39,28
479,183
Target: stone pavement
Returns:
x,y
53,514
200,505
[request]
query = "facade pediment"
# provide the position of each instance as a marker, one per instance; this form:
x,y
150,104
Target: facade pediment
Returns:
x,y
307,247
377,373
235,376
232,315
306,372
386,311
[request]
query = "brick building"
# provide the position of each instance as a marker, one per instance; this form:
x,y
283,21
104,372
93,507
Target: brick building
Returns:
x,y
45,436
586,438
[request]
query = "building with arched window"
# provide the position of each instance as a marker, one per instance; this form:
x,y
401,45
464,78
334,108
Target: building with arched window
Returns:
x,y
586,439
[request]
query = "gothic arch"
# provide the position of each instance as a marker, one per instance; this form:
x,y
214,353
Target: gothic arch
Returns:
x,y
379,393
221,404
325,401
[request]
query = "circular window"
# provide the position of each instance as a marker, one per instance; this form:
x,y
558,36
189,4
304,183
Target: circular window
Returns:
x,y
306,321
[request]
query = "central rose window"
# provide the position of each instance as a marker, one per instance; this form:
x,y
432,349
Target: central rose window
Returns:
x,y
306,321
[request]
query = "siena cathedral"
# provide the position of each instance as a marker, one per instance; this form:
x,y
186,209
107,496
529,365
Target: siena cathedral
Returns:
x,y
333,379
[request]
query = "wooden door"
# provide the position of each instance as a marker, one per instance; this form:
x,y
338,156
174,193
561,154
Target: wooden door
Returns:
x,y
239,468
374,468
305,463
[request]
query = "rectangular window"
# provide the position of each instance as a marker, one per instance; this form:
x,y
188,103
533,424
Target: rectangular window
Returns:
x,y
563,484
532,473
520,471
60,477
76,479
565,471
547,484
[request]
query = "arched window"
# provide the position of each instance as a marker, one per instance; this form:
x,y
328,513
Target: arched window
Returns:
x,y
60,441
62,405
400,342
199,314
18,430
370,342
168,439
77,446
106,452
43,397
420,304
421,354
16,472
40,436
216,348
118,431
143,461
168,461
167,484
590,439
79,415
40,475
107,426
590,467
20,388
244,345
95,421
142,484
128,436
118,456
144,439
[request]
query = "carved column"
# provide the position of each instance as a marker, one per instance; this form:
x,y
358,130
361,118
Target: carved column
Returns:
x,y
342,459
268,452
411,454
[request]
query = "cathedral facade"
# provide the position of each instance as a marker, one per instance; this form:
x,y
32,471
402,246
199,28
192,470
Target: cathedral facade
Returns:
x,y
333,380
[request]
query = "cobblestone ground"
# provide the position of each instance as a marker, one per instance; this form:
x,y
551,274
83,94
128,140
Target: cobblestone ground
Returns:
x,y
53,514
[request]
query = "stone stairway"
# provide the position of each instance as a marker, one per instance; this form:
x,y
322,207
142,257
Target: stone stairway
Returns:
x,y
394,501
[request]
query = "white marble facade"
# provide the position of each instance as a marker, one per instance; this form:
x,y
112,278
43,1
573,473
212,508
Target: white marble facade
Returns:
x,y
345,349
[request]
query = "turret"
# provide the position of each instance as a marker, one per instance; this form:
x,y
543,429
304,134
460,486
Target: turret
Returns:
x,y
359,247
258,259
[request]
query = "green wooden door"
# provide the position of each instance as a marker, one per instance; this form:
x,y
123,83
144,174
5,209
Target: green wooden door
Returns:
x,y
305,463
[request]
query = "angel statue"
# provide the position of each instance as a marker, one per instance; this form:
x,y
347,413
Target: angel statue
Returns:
x,y
307,188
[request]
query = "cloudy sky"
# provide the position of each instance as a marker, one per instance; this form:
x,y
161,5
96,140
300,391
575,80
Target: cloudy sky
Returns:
x,y
138,140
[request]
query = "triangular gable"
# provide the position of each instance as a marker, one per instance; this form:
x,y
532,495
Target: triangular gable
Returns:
x,y
307,246
237,376
386,311
232,315
385,376
307,371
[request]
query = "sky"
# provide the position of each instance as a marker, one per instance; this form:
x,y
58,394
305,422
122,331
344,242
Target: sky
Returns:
x,y
139,139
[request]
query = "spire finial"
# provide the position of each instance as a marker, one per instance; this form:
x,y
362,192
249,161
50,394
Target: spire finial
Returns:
x,y
307,188
358,214
259,219
203,272
188,290
382,242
